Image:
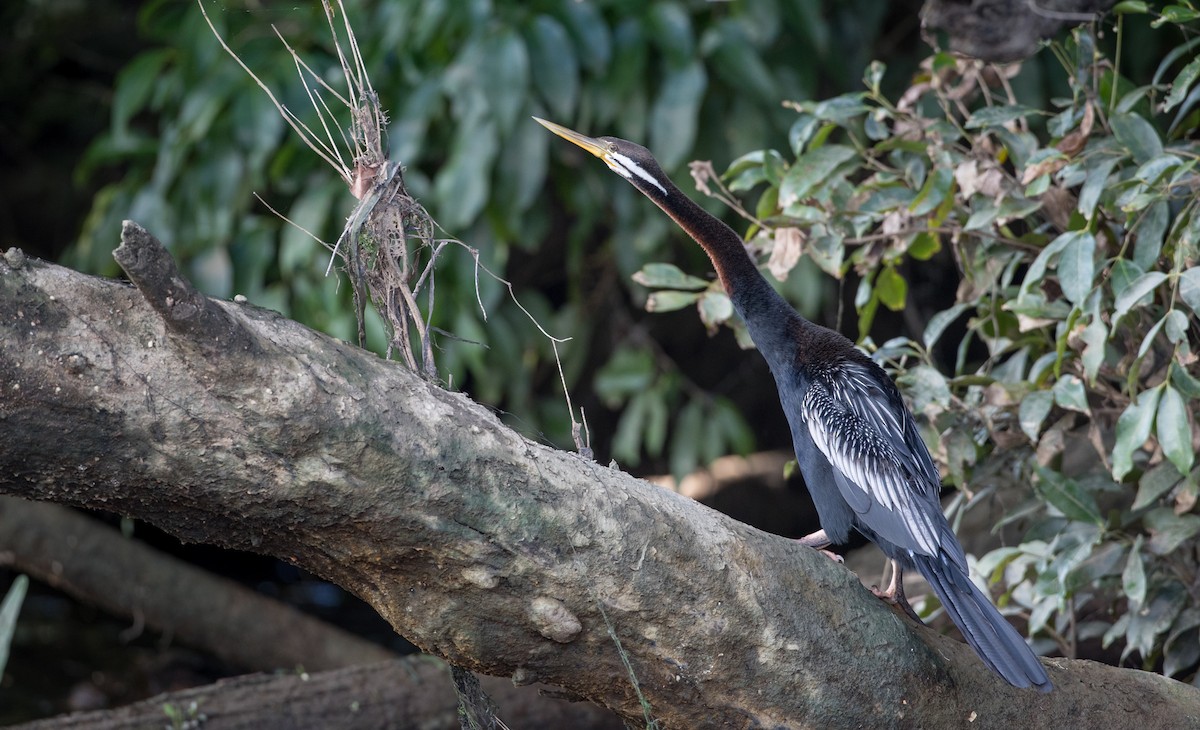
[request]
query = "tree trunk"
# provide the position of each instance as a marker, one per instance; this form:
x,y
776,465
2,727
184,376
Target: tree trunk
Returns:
x,y
228,424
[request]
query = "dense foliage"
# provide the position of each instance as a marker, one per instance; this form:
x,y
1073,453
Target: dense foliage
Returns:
x,y
1058,387
194,138
1072,404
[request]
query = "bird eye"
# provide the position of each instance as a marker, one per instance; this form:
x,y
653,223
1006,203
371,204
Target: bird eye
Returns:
x,y
612,147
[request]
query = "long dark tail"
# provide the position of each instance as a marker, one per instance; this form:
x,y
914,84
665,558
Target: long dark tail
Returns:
x,y
995,640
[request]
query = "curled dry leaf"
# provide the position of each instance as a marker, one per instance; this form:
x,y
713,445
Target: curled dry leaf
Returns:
x,y
789,244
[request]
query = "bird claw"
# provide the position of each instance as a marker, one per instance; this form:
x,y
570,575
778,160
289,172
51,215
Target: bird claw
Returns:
x,y
894,596
832,556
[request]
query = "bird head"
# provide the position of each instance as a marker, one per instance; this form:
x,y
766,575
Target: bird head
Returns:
x,y
629,160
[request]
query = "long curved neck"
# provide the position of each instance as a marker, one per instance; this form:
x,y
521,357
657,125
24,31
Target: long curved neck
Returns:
x,y
747,288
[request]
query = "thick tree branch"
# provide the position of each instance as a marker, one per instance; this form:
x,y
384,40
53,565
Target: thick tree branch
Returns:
x,y
494,552
407,693
94,563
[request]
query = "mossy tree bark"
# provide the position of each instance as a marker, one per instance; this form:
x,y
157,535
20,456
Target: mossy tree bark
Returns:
x,y
228,424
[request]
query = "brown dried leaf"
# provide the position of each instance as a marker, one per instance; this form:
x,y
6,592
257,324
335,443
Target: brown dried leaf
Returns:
x,y
789,244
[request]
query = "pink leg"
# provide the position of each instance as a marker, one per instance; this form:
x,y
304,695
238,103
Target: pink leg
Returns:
x,y
895,592
819,541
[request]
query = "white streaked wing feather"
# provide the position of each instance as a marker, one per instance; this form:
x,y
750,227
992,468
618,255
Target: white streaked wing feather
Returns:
x,y
873,473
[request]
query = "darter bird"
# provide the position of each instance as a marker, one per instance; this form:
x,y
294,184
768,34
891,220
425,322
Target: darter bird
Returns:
x,y
857,445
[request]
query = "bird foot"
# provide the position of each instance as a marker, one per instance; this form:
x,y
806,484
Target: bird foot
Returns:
x,y
894,594
832,555
819,541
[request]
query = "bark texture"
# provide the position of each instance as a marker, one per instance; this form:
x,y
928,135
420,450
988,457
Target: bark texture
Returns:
x,y
96,564
494,552
408,693
1006,30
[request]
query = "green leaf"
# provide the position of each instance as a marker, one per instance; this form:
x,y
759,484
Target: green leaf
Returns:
x,y
1185,382
1095,342
1136,135
1176,326
669,300
925,386
939,322
1189,289
1098,169
667,276
1133,579
715,308
134,84
505,72
1132,294
1154,484
1130,7
1069,393
671,27
685,440
1178,14
1181,84
10,609
1174,431
590,31
924,245
555,67
1077,267
1068,497
629,371
627,441
740,63
463,183
892,289
1150,231
676,113
1133,428
811,169
1033,411
998,116
1169,530
936,187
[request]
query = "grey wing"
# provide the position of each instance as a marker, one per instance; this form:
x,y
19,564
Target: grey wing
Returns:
x,y
880,465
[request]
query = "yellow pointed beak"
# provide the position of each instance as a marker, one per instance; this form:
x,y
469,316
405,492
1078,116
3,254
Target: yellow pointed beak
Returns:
x,y
595,146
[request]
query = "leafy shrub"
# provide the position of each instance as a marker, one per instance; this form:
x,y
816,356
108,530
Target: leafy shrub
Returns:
x,y
1073,399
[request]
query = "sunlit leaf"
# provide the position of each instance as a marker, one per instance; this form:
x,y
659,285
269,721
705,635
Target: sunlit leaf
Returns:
x,y
1095,341
670,300
1077,267
1133,428
715,308
939,322
1173,429
1069,393
811,169
892,289
1189,289
1181,84
667,276
1033,411
1132,294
